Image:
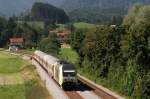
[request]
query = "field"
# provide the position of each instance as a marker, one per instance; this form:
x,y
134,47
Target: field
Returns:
x,y
19,79
82,25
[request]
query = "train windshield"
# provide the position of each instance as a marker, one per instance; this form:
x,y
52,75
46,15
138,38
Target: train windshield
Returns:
x,y
69,73
68,70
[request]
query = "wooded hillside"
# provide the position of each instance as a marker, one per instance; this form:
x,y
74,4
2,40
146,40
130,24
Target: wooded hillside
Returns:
x,y
118,57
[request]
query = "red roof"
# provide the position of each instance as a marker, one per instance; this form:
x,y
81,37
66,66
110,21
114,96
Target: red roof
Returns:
x,y
16,40
62,35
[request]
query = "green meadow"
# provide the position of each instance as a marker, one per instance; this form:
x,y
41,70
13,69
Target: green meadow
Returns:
x,y
19,79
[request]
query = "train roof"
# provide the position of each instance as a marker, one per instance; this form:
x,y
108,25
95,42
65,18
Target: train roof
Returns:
x,y
39,53
50,59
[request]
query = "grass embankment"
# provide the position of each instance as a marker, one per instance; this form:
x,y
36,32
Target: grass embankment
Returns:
x,y
28,51
19,79
69,54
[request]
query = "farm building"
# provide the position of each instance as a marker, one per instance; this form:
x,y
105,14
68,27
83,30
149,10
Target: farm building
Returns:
x,y
62,35
15,44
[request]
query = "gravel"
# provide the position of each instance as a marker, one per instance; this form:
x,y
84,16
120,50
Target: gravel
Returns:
x,y
88,95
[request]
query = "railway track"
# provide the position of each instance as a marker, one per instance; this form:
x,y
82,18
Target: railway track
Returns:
x,y
73,95
96,90
84,89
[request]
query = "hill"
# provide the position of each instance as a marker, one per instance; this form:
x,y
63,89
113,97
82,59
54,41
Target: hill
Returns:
x,y
15,7
99,11
97,15
70,5
47,12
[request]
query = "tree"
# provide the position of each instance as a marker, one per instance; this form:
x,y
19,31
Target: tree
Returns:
x,y
50,44
7,30
101,47
138,33
137,43
31,35
77,38
2,23
2,28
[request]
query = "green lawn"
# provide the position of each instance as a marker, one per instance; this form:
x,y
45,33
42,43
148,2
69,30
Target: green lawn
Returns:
x,y
69,55
19,79
10,63
30,90
12,92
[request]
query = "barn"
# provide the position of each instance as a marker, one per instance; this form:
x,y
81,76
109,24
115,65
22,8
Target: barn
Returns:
x,y
15,44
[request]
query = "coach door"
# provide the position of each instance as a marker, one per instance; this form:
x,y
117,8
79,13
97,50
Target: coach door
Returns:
x,y
57,72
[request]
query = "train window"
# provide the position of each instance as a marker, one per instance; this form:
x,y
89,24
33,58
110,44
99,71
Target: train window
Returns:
x,y
69,74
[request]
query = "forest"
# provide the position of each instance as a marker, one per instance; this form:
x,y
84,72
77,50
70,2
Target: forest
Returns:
x,y
118,57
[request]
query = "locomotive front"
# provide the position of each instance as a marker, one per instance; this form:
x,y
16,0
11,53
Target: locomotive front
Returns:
x,y
69,74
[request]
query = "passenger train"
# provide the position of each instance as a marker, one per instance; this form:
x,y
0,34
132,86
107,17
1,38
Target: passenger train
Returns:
x,y
62,72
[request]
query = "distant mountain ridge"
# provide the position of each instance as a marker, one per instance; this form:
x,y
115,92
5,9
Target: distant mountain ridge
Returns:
x,y
70,5
15,7
99,11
